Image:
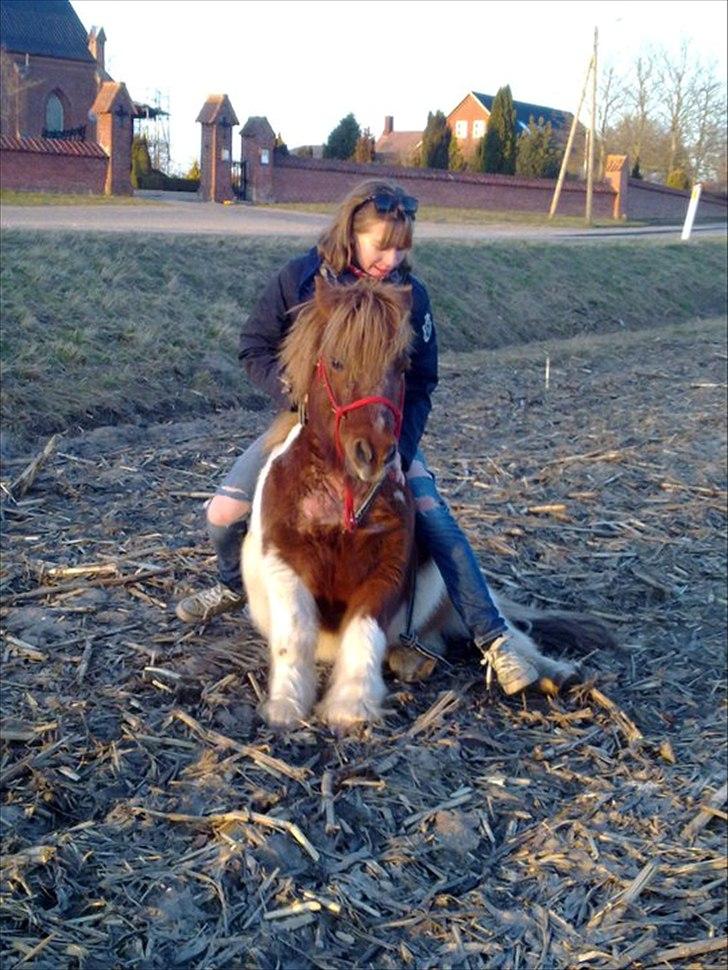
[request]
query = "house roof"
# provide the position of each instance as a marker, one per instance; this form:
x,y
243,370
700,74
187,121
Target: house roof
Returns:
x,y
49,28
525,111
397,142
52,146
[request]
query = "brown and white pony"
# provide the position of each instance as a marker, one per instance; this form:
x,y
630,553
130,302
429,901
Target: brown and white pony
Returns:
x,y
330,548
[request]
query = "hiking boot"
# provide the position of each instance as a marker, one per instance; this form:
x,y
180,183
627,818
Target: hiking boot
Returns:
x,y
208,603
514,671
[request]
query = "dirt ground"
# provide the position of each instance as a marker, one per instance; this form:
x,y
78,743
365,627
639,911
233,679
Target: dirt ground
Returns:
x,y
149,818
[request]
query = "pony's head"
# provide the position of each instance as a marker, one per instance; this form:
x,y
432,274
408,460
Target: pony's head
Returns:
x,y
345,357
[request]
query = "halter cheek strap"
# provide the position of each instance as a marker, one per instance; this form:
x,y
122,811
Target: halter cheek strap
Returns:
x,y
340,411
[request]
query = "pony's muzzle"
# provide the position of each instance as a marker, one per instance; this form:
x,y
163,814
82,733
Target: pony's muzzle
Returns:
x,y
367,460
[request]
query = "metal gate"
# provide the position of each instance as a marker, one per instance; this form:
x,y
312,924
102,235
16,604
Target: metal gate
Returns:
x,y
239,179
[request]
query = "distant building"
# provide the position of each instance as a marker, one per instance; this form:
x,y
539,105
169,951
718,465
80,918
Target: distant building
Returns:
x,y
469,120
61,113
396,147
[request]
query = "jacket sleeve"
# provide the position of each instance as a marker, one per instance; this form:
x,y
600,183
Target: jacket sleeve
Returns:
x,y
421,379
263,331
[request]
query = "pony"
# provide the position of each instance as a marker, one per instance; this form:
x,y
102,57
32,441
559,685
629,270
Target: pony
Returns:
x,y
330,559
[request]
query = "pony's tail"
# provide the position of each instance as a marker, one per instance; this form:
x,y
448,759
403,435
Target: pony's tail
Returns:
x,y
556,630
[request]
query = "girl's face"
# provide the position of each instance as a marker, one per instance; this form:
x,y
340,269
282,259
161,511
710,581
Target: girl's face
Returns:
x,y
370,256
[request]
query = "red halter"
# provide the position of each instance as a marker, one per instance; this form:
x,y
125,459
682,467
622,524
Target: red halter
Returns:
x,y
340,411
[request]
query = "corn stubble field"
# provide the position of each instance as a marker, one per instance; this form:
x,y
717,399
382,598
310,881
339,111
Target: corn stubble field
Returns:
x,y
149,818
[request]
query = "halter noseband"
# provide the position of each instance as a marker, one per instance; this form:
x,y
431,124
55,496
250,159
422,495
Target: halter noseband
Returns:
x,y
340,411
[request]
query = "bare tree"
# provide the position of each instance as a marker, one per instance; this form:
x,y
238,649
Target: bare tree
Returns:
x,y
671,114
14,86
610,97
706,126
642,104
675,80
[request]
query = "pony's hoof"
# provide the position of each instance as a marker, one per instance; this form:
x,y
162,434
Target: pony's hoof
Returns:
x,y
562,676
282,714
346,717
408,665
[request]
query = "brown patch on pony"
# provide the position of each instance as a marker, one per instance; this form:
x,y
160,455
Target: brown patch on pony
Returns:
x,y
364,325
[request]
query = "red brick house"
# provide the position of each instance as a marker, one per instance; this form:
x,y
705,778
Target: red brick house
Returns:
x,y
396,147
469,120
65,125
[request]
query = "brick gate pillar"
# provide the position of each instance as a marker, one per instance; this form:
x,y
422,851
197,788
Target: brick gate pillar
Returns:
x,y
114,132
616,173
217,118
257,153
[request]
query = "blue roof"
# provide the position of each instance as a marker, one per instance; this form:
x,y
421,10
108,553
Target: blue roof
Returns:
x,y
524,112
48,28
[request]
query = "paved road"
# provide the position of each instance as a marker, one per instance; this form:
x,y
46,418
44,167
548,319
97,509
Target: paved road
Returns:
x,y
180,217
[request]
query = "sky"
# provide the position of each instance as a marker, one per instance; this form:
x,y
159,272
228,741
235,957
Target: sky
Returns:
x,y
306,64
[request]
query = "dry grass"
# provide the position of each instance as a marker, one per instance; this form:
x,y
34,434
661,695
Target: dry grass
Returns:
x,y
10,197
478,217
150,820
102,329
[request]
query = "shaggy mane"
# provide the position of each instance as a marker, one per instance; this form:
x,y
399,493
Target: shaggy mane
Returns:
x,y
365,326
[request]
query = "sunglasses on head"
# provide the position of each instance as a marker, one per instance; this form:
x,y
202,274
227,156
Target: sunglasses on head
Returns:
x,y
386,202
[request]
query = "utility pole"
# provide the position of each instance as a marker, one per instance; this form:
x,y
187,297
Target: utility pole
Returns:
x,y
592,134
570,142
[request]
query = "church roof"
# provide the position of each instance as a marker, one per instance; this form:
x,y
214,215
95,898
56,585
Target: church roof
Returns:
x,y
48,28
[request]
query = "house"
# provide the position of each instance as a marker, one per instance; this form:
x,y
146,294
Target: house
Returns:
x,y
469,120
396,147
65,125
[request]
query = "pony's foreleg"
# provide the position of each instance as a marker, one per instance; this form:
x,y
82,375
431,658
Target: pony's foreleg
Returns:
x,y
293,629
357,688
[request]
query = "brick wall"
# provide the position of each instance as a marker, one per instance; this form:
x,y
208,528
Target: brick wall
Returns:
x,y
648,201
40,172
24,113
322,180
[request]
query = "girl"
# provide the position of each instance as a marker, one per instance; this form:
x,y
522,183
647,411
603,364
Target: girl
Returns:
x,y
370,235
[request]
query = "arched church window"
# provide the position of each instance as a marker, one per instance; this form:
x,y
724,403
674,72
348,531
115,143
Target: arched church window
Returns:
x,y
54,114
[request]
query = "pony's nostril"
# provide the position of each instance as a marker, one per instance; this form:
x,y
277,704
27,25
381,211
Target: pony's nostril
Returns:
x,y
363,452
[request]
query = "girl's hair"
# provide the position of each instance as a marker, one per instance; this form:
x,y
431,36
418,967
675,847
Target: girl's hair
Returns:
x,y
358,213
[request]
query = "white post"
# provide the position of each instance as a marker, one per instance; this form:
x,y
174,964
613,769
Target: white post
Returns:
x,y
692,209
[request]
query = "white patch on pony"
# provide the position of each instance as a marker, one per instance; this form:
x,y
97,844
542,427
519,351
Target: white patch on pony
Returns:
x,y
284,612
357,687
255,519
291,626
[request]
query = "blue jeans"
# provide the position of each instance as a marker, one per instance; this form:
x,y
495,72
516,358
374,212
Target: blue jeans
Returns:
x,y
440,534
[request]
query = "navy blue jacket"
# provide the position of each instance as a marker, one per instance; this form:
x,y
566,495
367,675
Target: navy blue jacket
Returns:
x,y
261,337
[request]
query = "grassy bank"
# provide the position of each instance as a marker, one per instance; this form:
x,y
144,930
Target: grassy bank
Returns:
x,y
99,329
450,215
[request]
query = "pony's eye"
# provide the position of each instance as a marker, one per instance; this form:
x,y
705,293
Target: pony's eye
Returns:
x,y
336,364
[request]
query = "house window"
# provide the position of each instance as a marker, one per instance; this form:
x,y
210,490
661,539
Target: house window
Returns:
x,y
54,114
461,129
478,129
